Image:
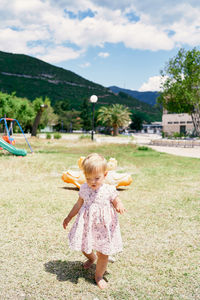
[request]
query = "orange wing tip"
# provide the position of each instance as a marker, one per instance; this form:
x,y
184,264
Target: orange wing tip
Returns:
x,y
112,164
126,182
77,178
80,161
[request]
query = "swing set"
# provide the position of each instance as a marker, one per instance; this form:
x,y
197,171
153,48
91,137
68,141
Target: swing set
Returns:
x,y
8,141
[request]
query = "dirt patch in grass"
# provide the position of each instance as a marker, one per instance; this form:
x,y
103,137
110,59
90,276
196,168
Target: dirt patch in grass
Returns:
x,y
160,229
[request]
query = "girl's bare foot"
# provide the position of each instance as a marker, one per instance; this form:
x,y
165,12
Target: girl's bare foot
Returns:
x,y
102,284
91,259
88,263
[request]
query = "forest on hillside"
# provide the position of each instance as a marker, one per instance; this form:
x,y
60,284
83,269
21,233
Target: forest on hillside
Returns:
x,y
31,78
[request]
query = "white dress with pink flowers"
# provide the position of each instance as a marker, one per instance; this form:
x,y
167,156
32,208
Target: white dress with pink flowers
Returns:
x,y
96,226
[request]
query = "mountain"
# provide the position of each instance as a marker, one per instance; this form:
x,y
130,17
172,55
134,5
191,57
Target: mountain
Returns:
x,y
30,77
147,97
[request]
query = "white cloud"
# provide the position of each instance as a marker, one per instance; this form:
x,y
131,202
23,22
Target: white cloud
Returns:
x,y
153,84
43,28
17,41
75,5
187,30
85,65
98,31
59,54
103,54
141,36
24,6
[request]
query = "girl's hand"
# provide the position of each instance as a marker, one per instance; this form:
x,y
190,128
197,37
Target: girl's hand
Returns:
x,y
120,208
73,212
65,222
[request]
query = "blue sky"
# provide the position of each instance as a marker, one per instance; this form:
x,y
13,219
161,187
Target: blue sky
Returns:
x,y
122,42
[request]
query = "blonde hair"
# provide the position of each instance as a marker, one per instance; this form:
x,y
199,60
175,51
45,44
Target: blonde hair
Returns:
x,y
94,163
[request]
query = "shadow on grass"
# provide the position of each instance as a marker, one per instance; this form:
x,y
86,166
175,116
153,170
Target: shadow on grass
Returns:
x,y
70,188
70,271
121,189
5,154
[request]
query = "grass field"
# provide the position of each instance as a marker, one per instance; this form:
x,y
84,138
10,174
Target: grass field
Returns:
x,y
160,229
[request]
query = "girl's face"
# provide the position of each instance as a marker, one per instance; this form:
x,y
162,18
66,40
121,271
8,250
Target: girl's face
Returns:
x,y
95,180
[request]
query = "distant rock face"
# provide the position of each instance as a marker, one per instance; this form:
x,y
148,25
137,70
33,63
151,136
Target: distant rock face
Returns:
x,y
147,97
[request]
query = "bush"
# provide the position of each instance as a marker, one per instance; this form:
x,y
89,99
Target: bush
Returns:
x,y
85,136
143,148
48,136
57,135
178,135
163,135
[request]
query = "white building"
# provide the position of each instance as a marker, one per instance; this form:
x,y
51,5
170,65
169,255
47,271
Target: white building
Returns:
x,y
181,123
154,127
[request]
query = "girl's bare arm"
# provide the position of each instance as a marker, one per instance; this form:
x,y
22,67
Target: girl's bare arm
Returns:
x,y
73,212
118,205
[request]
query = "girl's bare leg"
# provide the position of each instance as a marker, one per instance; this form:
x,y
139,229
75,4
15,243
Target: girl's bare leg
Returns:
x,y
91,259
101,267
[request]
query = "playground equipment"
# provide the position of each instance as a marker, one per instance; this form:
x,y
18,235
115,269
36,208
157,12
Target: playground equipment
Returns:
x,y
8,141
118,179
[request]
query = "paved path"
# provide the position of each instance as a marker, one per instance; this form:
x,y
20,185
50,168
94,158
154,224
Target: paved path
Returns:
x,y
187,152
145,139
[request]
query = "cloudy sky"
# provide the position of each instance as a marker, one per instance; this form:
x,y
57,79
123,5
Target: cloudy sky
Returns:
x,y
120,42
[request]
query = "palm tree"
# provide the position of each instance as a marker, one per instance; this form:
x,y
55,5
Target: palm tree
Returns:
x,y
114,116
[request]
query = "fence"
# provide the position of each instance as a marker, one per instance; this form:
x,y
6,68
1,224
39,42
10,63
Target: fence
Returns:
x,y
176,143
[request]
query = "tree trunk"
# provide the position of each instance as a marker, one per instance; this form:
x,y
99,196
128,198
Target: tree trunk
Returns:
x,y
115,130
196,120
37,120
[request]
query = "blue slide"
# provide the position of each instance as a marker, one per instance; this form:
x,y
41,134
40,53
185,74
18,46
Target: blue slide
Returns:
x,y
10,148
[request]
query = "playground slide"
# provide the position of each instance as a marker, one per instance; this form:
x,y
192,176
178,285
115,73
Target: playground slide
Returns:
x,y
10,148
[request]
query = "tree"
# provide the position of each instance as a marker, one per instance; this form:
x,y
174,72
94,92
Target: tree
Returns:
x,y
62,105
114,116
16,108
48,116
181,85
137,121
70,120
39,107
86,115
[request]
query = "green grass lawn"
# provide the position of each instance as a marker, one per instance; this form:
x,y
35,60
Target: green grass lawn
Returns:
x,y
160,229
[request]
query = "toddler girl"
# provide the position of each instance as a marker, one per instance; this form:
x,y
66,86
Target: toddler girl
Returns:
x,y
96,226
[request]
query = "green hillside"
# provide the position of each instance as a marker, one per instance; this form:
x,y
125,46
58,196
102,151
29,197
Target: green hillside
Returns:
x,y
30,77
